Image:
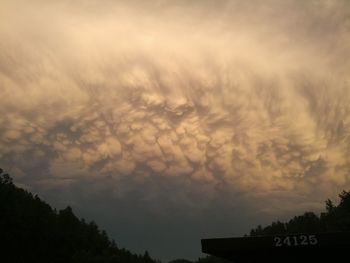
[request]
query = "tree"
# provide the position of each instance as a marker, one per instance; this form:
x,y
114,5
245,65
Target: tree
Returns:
x,y
5,178
335,218
329,206
31,231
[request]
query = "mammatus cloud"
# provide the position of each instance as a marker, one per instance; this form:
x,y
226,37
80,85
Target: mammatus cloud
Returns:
x,y
184,102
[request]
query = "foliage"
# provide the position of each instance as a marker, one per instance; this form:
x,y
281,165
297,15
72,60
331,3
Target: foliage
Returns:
x,y
31,231
335,218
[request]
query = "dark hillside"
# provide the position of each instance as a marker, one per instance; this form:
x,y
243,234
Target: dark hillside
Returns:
x,y
336,218
31,231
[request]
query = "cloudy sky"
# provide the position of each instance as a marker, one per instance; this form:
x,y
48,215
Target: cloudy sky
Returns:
x,y
167,121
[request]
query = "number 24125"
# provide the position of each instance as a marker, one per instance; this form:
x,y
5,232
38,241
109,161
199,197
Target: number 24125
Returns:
x,y
289,241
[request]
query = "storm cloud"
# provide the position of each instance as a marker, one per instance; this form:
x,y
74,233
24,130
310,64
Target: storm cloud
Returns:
x,y
187,114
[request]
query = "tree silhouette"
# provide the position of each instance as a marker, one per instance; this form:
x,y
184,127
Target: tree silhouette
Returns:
x,y
335,218
31,231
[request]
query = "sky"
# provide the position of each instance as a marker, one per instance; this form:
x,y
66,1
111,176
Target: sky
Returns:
x,y
168,121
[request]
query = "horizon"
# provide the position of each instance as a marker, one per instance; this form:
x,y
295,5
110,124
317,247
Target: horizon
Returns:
x,y
308,229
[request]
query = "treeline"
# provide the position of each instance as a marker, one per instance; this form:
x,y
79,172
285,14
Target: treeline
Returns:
x,y
335,218
31,231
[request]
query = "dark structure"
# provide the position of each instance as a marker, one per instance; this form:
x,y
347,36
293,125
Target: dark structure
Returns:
x,y
318,247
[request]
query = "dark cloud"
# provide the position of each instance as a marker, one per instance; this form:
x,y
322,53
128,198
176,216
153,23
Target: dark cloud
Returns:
x,y
168,121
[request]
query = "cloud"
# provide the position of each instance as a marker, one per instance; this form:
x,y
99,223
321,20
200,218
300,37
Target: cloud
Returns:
x,y
181,104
